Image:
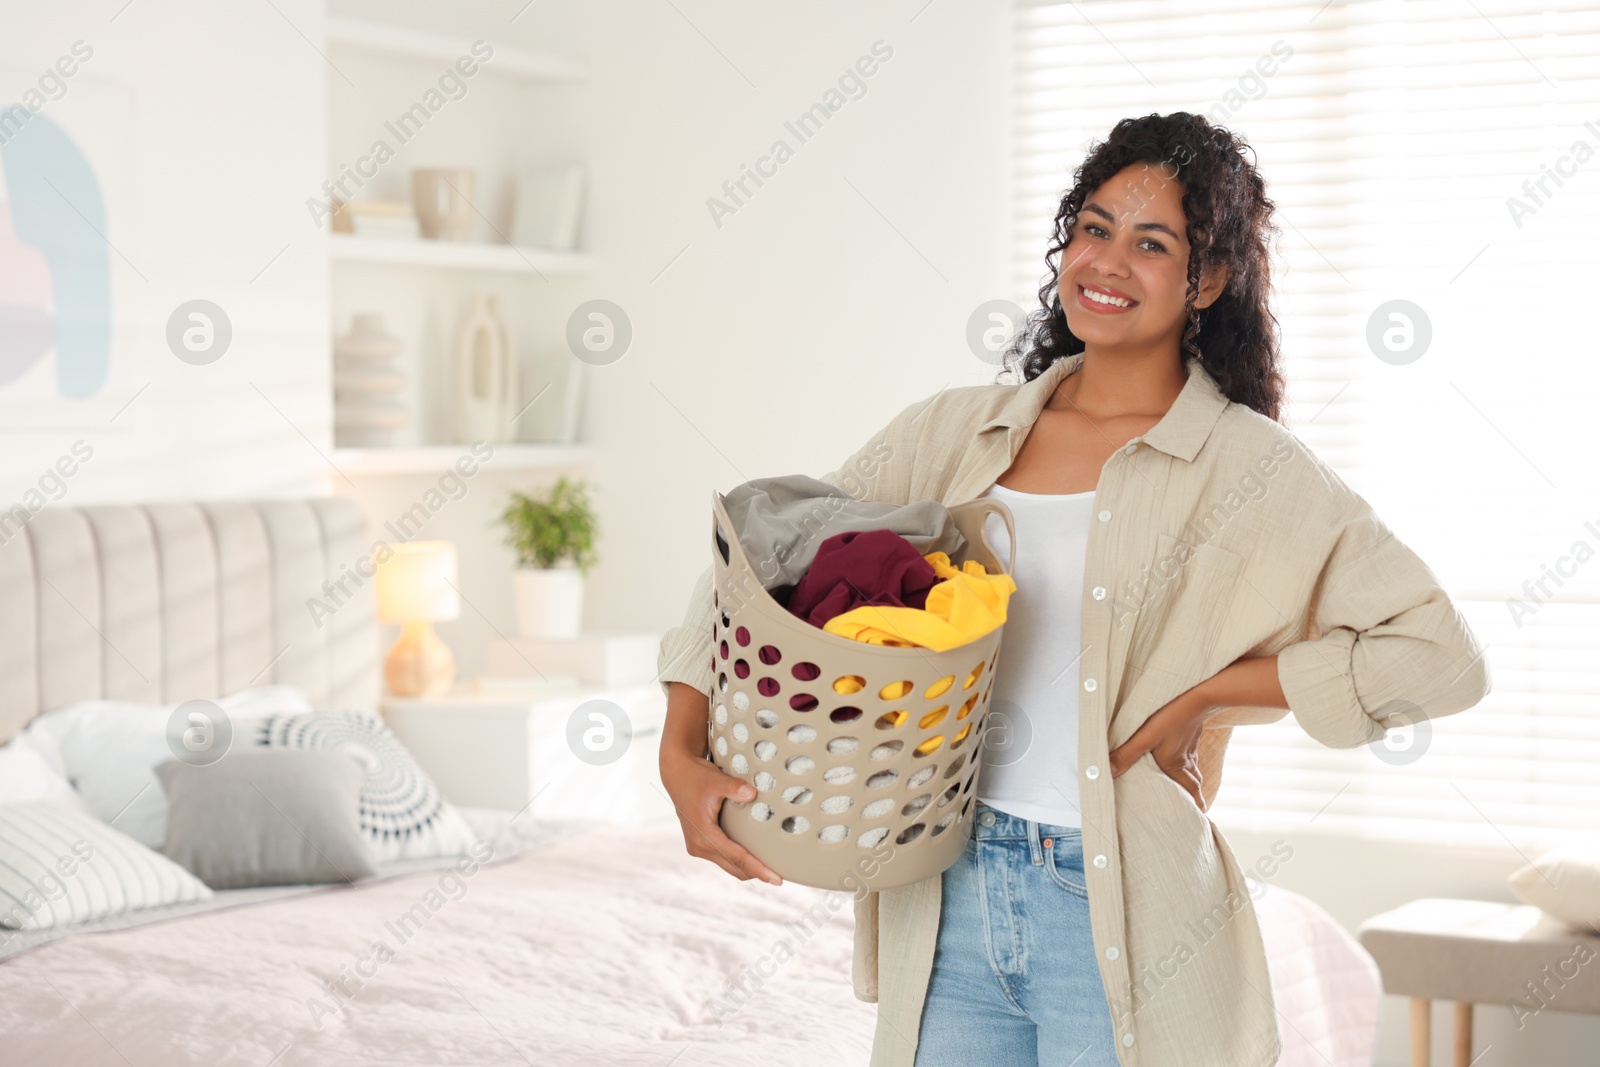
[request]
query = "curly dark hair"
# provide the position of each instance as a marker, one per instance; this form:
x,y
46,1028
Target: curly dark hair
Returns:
x,y
1228,224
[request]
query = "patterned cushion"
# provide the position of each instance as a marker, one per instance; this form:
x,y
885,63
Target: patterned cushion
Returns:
x,y
60,866
402,811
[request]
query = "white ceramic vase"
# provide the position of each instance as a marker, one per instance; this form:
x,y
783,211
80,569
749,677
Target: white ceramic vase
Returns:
x,y
487,382
549,600
366,412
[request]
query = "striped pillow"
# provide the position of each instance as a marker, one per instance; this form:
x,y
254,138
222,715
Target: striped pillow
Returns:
x,y
58,866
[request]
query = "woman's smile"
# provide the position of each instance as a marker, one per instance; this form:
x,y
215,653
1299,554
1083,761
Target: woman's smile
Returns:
x,y
1105,301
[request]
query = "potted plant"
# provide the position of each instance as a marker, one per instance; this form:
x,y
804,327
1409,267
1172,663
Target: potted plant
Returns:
x,y
554,541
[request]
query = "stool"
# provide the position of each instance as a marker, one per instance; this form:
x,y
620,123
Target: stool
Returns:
x,y
1481,952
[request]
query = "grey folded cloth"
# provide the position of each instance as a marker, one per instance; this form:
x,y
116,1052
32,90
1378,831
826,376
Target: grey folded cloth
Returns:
x,y
781,522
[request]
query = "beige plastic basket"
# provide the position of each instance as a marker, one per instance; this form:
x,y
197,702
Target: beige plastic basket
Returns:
x,y
864,757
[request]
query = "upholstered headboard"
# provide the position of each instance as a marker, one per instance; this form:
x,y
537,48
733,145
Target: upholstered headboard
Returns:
x,y
161,603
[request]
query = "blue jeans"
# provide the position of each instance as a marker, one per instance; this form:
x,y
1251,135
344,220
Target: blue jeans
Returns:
x,y
1014,981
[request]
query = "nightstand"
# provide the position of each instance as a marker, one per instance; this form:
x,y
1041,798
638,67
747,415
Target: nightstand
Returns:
x,y
560,751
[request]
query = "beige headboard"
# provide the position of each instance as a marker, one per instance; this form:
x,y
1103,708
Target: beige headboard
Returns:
x,y
161,603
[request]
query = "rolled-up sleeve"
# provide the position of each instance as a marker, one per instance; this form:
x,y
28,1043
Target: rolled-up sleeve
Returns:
x,y
1387,647
879,470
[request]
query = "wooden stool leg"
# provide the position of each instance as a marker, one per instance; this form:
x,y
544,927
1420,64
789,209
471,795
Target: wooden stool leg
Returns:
x,y
1463,1035
1420,1022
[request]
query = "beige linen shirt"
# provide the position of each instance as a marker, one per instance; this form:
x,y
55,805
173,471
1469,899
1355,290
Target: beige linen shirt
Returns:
x,y
1216,535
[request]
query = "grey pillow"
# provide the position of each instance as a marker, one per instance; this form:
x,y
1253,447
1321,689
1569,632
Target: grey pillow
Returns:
x,y
268,817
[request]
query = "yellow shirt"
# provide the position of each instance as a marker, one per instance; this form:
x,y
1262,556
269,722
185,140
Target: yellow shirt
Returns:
x,y
1217,534
964,606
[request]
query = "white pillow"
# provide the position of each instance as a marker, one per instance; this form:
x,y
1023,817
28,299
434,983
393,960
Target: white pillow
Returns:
x,y
1564,883
26,775
109,749
59,866
402,811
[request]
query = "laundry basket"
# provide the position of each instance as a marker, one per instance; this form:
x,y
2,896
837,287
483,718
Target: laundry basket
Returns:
x,y
863,756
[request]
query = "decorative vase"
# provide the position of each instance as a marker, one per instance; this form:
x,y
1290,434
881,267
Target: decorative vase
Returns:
x,y
443,198
365,380
549,600
486,376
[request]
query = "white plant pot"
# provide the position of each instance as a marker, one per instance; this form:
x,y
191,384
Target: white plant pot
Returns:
x,y
549,601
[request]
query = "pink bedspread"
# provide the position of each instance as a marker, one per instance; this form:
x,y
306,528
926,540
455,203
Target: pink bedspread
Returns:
x,y
607,949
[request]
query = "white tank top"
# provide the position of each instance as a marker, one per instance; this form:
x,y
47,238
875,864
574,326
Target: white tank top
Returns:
x,y
1030,752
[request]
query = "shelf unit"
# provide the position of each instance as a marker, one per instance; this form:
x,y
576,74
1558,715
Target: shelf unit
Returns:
x,y
456,255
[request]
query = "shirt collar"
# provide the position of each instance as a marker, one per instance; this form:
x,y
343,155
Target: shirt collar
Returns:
x,y
1180,432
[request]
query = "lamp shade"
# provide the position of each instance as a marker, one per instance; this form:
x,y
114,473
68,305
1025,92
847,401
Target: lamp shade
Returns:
x,y
418,583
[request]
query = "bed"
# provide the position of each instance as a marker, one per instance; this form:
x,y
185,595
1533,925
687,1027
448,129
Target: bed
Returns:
x,y
572,943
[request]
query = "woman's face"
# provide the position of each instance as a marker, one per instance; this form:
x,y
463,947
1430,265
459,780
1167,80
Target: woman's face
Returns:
x,y
1128,245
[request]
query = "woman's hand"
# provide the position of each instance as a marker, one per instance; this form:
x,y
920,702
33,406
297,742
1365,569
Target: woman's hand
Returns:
x,y
697,788
1172,737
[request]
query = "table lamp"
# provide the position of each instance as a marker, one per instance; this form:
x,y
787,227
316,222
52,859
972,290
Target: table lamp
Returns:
x,y
416,588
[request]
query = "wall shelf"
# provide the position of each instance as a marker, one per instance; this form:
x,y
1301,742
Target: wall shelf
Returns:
x,y
456,255
519,64
436,459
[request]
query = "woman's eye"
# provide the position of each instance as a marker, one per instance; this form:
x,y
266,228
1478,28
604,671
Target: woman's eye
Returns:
x,y
1095,230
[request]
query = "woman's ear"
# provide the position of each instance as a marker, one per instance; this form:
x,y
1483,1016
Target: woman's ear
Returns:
x,y
1213,280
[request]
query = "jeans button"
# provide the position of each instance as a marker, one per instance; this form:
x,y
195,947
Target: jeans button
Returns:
x,y
987,818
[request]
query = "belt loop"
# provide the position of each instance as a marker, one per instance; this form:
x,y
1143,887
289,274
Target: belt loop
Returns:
x,y
1035,849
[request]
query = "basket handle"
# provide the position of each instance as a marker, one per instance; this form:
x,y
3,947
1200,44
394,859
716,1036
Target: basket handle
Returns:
x,y
971,517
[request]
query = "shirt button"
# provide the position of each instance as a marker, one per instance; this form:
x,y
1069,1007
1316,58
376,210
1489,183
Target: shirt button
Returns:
x,y
1089,684
1099,861
1092,771
987,818
1099,592
1112,953
1127,1039
1105,516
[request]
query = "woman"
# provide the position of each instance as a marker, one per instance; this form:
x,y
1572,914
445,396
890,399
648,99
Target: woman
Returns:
x,y
1185,565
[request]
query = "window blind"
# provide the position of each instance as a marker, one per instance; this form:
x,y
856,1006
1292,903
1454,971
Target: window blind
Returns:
x,y
1446,155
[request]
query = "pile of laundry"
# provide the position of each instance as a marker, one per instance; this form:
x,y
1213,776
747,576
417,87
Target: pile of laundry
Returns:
x,y
864,570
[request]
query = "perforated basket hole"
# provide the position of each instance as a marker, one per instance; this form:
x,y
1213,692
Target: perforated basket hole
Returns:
x,y
769,655
798,765
882,780
836,805
928,747
722,745
803,702
878,808
839,775
920,777
966,807
955,765
961,735
765,750
945,798
796,824
870,838
724,649
741,732
966,709
806,672
721,714
739,764
725,620
894,690
943,824
802,734
741,668
937,689
722,682
742,635
847,684
916,804
910,833
767,687
843,746
766,718
834,833
760,812
890,719
933,718
845,714
887,750
797,794
741,700
765,781
972,678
